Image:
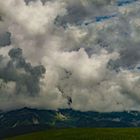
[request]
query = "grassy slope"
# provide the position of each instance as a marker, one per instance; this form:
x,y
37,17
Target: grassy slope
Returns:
x,y
84,134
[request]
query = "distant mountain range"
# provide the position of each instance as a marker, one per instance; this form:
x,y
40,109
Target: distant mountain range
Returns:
x,y
27,120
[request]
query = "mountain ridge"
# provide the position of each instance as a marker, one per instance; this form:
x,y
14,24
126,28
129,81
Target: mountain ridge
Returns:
x,y
28,120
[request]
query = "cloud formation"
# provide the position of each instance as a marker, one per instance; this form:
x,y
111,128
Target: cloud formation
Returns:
x,y
54,60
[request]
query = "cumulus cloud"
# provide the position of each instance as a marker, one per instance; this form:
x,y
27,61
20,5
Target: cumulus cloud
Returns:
x,y
51,59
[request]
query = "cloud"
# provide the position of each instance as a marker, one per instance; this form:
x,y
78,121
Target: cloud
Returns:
x,y
5,39
55,61
20,73
42,16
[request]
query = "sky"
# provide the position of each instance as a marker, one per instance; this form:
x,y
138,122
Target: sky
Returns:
x,y
79,54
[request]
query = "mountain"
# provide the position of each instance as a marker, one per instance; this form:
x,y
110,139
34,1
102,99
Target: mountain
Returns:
x,y
27,120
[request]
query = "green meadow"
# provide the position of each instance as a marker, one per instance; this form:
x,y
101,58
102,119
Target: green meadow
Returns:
x,y
83,134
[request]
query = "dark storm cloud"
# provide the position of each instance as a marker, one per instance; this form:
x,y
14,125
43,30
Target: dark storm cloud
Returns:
x,y
79,11
130,56
22,73
5,39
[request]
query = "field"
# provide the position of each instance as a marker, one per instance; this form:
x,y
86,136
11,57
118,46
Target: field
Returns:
x,y
84,134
